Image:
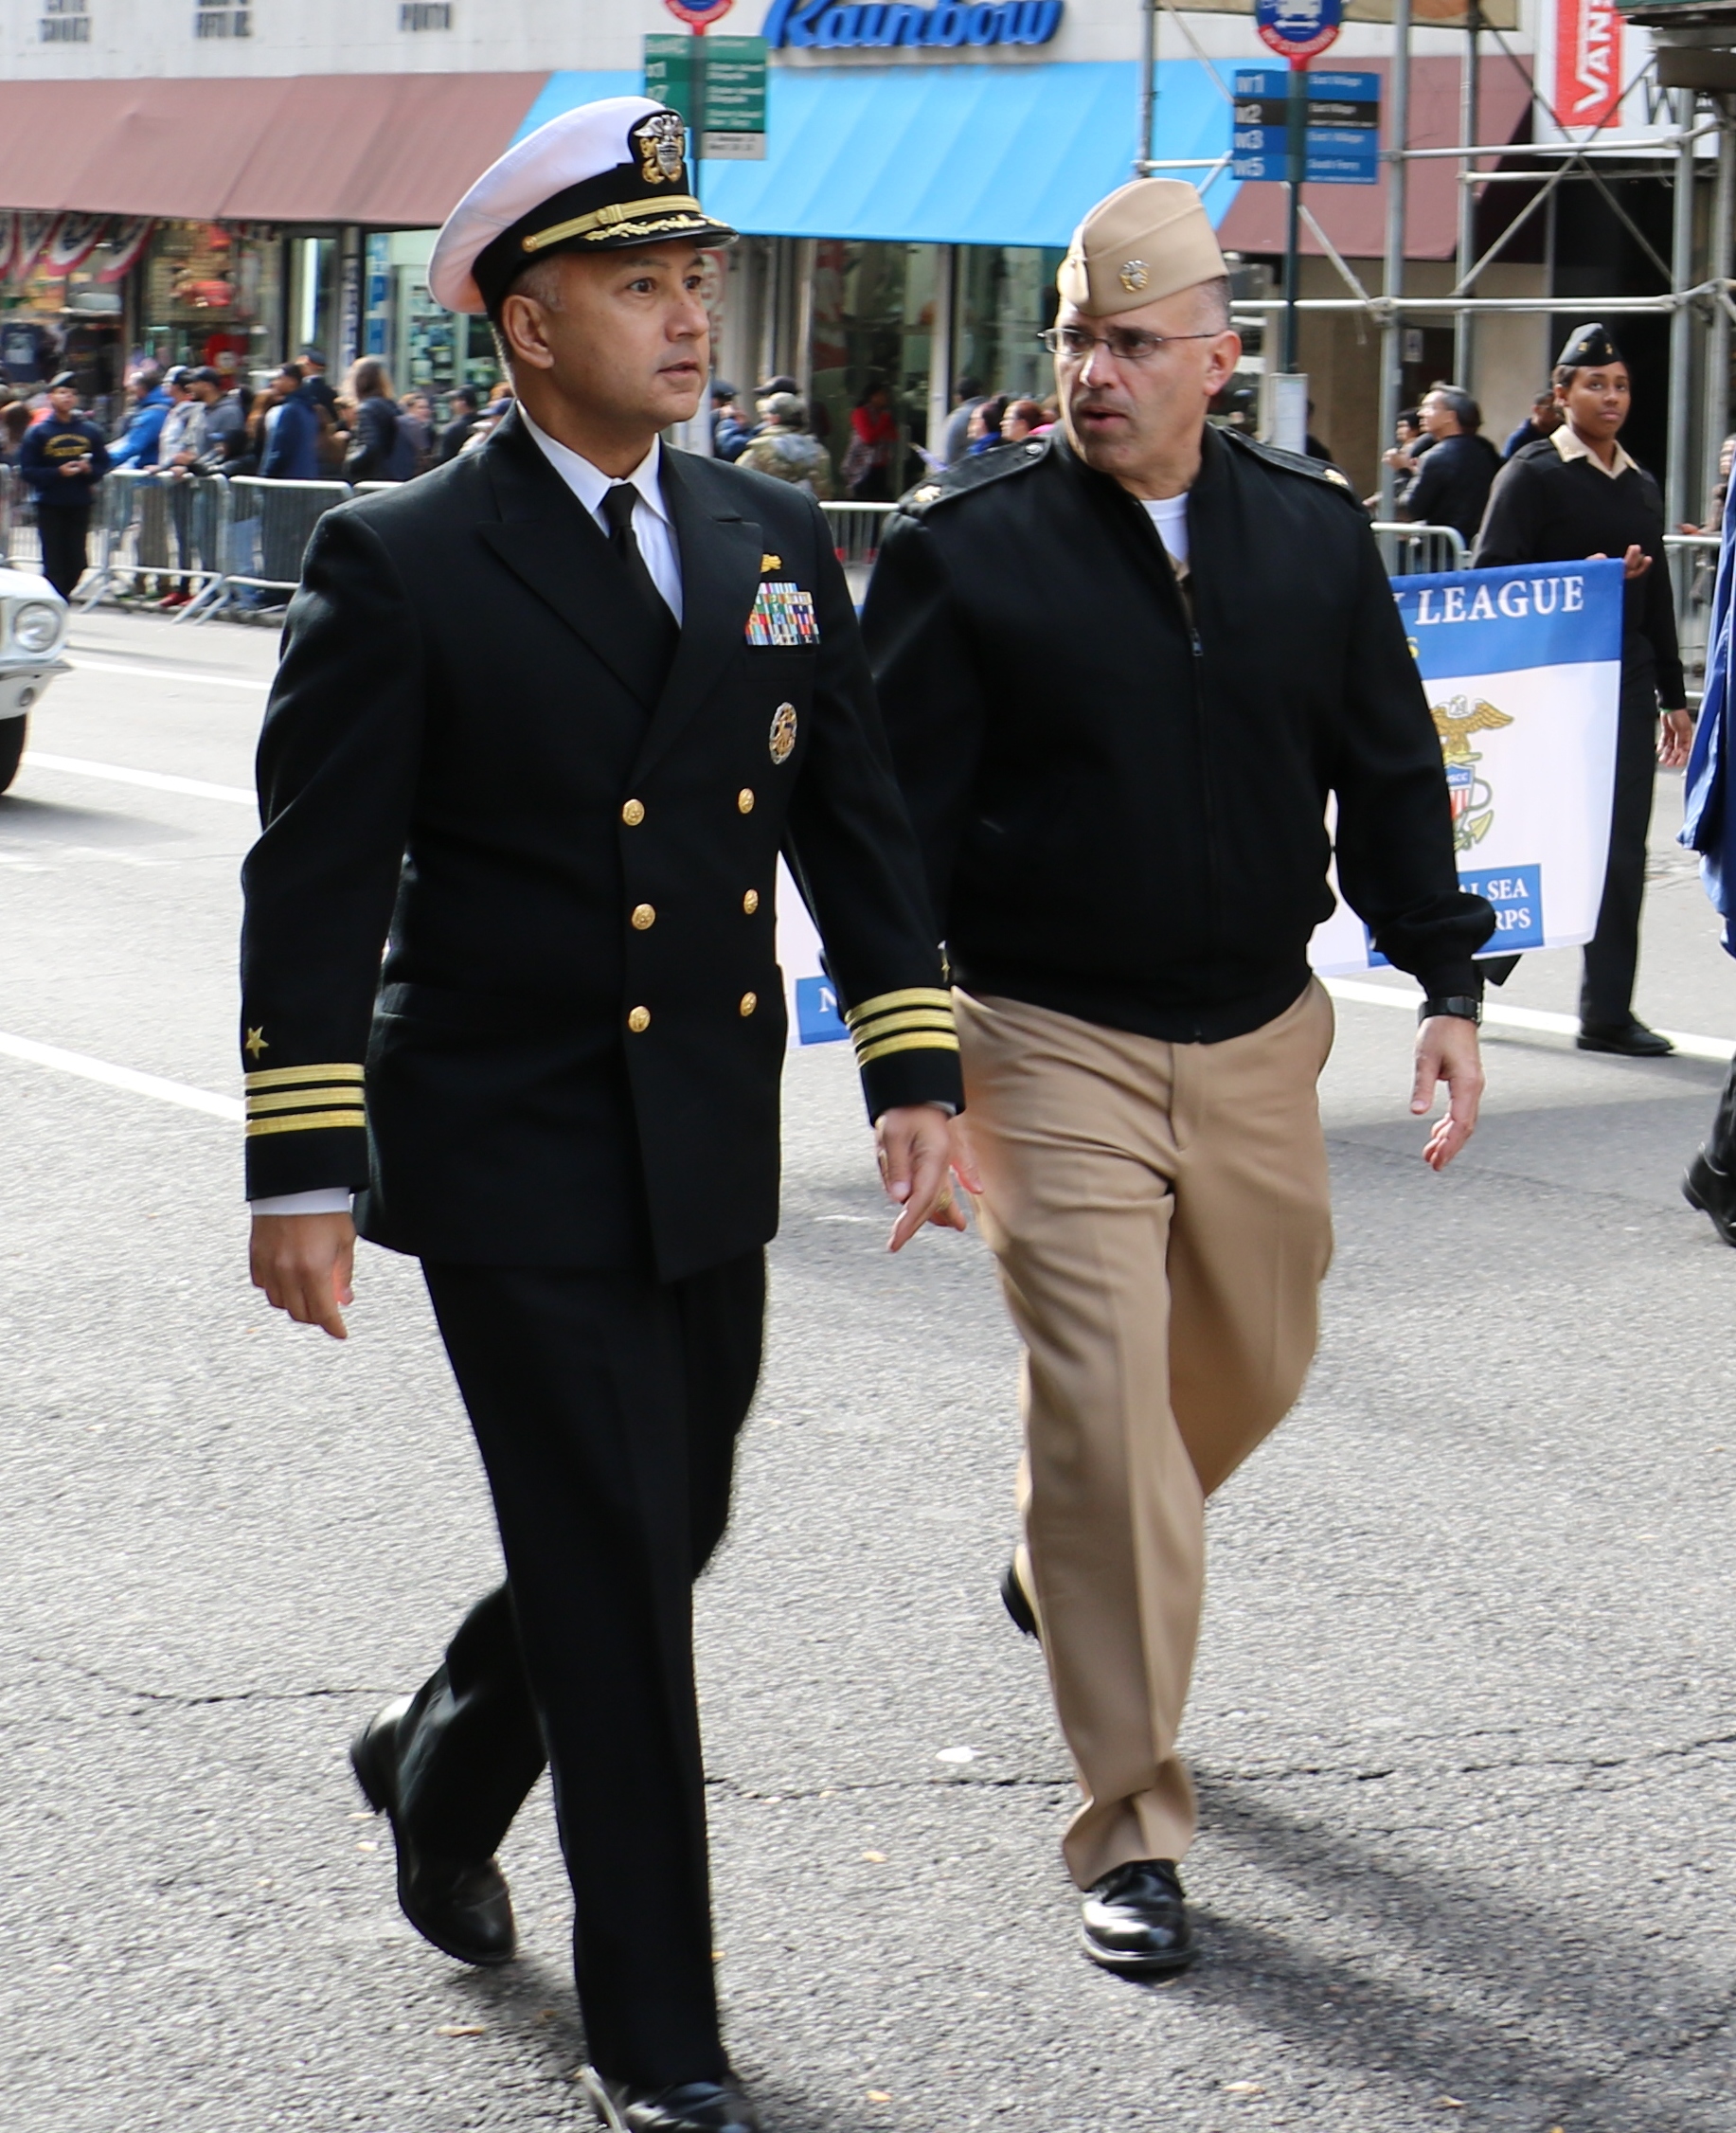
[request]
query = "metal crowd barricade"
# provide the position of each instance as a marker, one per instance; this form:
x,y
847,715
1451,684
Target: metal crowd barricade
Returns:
x,y
855,533
154,532
267,529
1693,575
1410,552
18,542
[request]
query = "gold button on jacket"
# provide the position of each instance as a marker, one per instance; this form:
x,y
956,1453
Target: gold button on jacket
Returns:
x,y
644,917
633,814
749,1001
744,800
639,1020
751,902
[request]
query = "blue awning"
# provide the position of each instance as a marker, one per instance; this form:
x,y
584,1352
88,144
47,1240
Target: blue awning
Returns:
x,y
960,154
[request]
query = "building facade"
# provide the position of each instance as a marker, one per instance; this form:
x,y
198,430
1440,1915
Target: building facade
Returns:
x,y
229,183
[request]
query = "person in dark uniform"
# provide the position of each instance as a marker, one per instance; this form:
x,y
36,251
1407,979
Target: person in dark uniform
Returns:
x,y
1452,484
545,720
62,458
1123,669
1576,494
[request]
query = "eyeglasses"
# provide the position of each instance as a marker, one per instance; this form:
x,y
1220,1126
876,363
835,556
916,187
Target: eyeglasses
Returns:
x,y
1127,343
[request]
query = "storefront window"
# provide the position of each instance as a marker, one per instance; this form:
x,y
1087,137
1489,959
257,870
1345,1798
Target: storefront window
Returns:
x,y
62,301
214,295
873,325
1005,297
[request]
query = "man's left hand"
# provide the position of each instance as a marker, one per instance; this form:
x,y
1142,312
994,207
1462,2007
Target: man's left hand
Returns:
x,y
1675,740
1447,1051
914,1147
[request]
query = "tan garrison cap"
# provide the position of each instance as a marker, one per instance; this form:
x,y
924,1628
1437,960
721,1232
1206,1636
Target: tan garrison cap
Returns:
x,y
1147,239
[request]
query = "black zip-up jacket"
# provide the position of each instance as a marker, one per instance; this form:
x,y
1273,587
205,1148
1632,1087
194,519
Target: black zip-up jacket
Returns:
x,y
1121,804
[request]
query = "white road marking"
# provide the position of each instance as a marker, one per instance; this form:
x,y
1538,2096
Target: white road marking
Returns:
x,y
155,780
88,1069
1500,1017
82,664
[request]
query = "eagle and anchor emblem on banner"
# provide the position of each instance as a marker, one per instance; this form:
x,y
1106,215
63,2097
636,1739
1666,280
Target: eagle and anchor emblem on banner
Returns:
x,y
1472,798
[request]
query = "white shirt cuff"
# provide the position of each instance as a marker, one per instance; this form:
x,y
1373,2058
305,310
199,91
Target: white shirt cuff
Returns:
x,y
326,1199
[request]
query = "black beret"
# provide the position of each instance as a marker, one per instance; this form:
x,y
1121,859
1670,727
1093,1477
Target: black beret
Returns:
x,y
1590,346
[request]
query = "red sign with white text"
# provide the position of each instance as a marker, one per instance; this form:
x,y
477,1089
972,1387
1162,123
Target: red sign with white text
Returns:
x,y
1587,61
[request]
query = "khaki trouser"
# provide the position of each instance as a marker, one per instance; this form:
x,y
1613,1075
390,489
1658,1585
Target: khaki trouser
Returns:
x,y
1161,1217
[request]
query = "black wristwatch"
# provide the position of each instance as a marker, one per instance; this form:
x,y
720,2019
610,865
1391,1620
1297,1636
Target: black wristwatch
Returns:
x,y
1463,1005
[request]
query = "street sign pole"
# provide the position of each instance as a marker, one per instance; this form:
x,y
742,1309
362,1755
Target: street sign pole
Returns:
x,y
1297,128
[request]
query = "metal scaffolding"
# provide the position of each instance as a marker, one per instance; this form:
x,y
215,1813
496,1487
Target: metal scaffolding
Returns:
x,y
1702,308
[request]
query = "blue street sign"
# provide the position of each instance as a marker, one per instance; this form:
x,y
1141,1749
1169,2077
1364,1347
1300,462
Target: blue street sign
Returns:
x,y
1343,126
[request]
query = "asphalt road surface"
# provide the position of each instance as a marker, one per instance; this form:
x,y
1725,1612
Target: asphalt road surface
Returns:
x,y
1466,1719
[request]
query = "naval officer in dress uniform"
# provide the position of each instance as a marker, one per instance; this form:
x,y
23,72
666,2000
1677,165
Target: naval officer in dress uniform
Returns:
x,y
1577,493
1123,669
545,720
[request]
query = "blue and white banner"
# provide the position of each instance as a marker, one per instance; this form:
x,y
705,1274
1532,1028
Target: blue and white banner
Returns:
x,y
1523,670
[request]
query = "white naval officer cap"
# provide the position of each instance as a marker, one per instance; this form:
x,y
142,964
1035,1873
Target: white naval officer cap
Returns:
x,y
598,178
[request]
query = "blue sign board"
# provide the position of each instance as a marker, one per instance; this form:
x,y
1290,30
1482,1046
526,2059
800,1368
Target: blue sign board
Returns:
x,y
1342,126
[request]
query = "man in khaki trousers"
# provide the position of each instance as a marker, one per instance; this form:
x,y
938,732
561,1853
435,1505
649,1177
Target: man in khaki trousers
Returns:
x,y
1123,669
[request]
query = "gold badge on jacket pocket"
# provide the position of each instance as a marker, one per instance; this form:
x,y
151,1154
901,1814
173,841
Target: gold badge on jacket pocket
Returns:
x,y
782,615
781,740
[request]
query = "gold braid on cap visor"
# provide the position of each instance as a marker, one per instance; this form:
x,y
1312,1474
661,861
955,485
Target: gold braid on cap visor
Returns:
x,y
627,218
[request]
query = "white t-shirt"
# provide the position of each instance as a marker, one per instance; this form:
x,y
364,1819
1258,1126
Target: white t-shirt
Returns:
x,y
1169,516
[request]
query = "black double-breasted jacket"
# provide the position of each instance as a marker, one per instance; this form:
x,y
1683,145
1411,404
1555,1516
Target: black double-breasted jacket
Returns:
x,y
472,762
1121,787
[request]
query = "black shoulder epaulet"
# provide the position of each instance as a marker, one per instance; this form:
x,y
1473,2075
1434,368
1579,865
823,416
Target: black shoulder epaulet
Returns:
x,y
974,472
1292,462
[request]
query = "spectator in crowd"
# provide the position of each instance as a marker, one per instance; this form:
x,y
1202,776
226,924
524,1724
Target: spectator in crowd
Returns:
x,y
380,448
291,429
415,421
320,389
137,447
225,422
983,432
873,447
498,406
62,458
249,447
731,431
1403,455
955,438
178,448
1714,503
787,451
14,422
1577,493
462,410
1544,421
1023,419
1452,485
1312,446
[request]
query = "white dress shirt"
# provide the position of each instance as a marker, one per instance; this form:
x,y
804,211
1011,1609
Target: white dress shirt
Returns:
x,y
655,535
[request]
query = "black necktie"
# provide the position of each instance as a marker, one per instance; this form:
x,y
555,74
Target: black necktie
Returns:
x,y
618,508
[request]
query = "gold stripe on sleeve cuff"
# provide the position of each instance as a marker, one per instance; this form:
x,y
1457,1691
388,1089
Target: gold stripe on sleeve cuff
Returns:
x,y
298,1077
299,1099
307,1121
912,1019
913,996
918,1040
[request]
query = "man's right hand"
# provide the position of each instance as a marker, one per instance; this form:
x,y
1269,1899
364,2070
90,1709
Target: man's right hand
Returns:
x,y
304,1262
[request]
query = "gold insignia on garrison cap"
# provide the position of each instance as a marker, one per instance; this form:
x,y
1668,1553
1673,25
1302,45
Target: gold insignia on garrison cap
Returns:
x,y
781,740
1145,241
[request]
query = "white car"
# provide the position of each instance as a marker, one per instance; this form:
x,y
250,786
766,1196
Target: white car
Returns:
x,y
33,621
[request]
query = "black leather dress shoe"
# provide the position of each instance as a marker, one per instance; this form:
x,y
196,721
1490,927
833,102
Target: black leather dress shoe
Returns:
x,y
1135,1920
462,1905
1018,1601
691,2107
1633,1040
1714,1192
